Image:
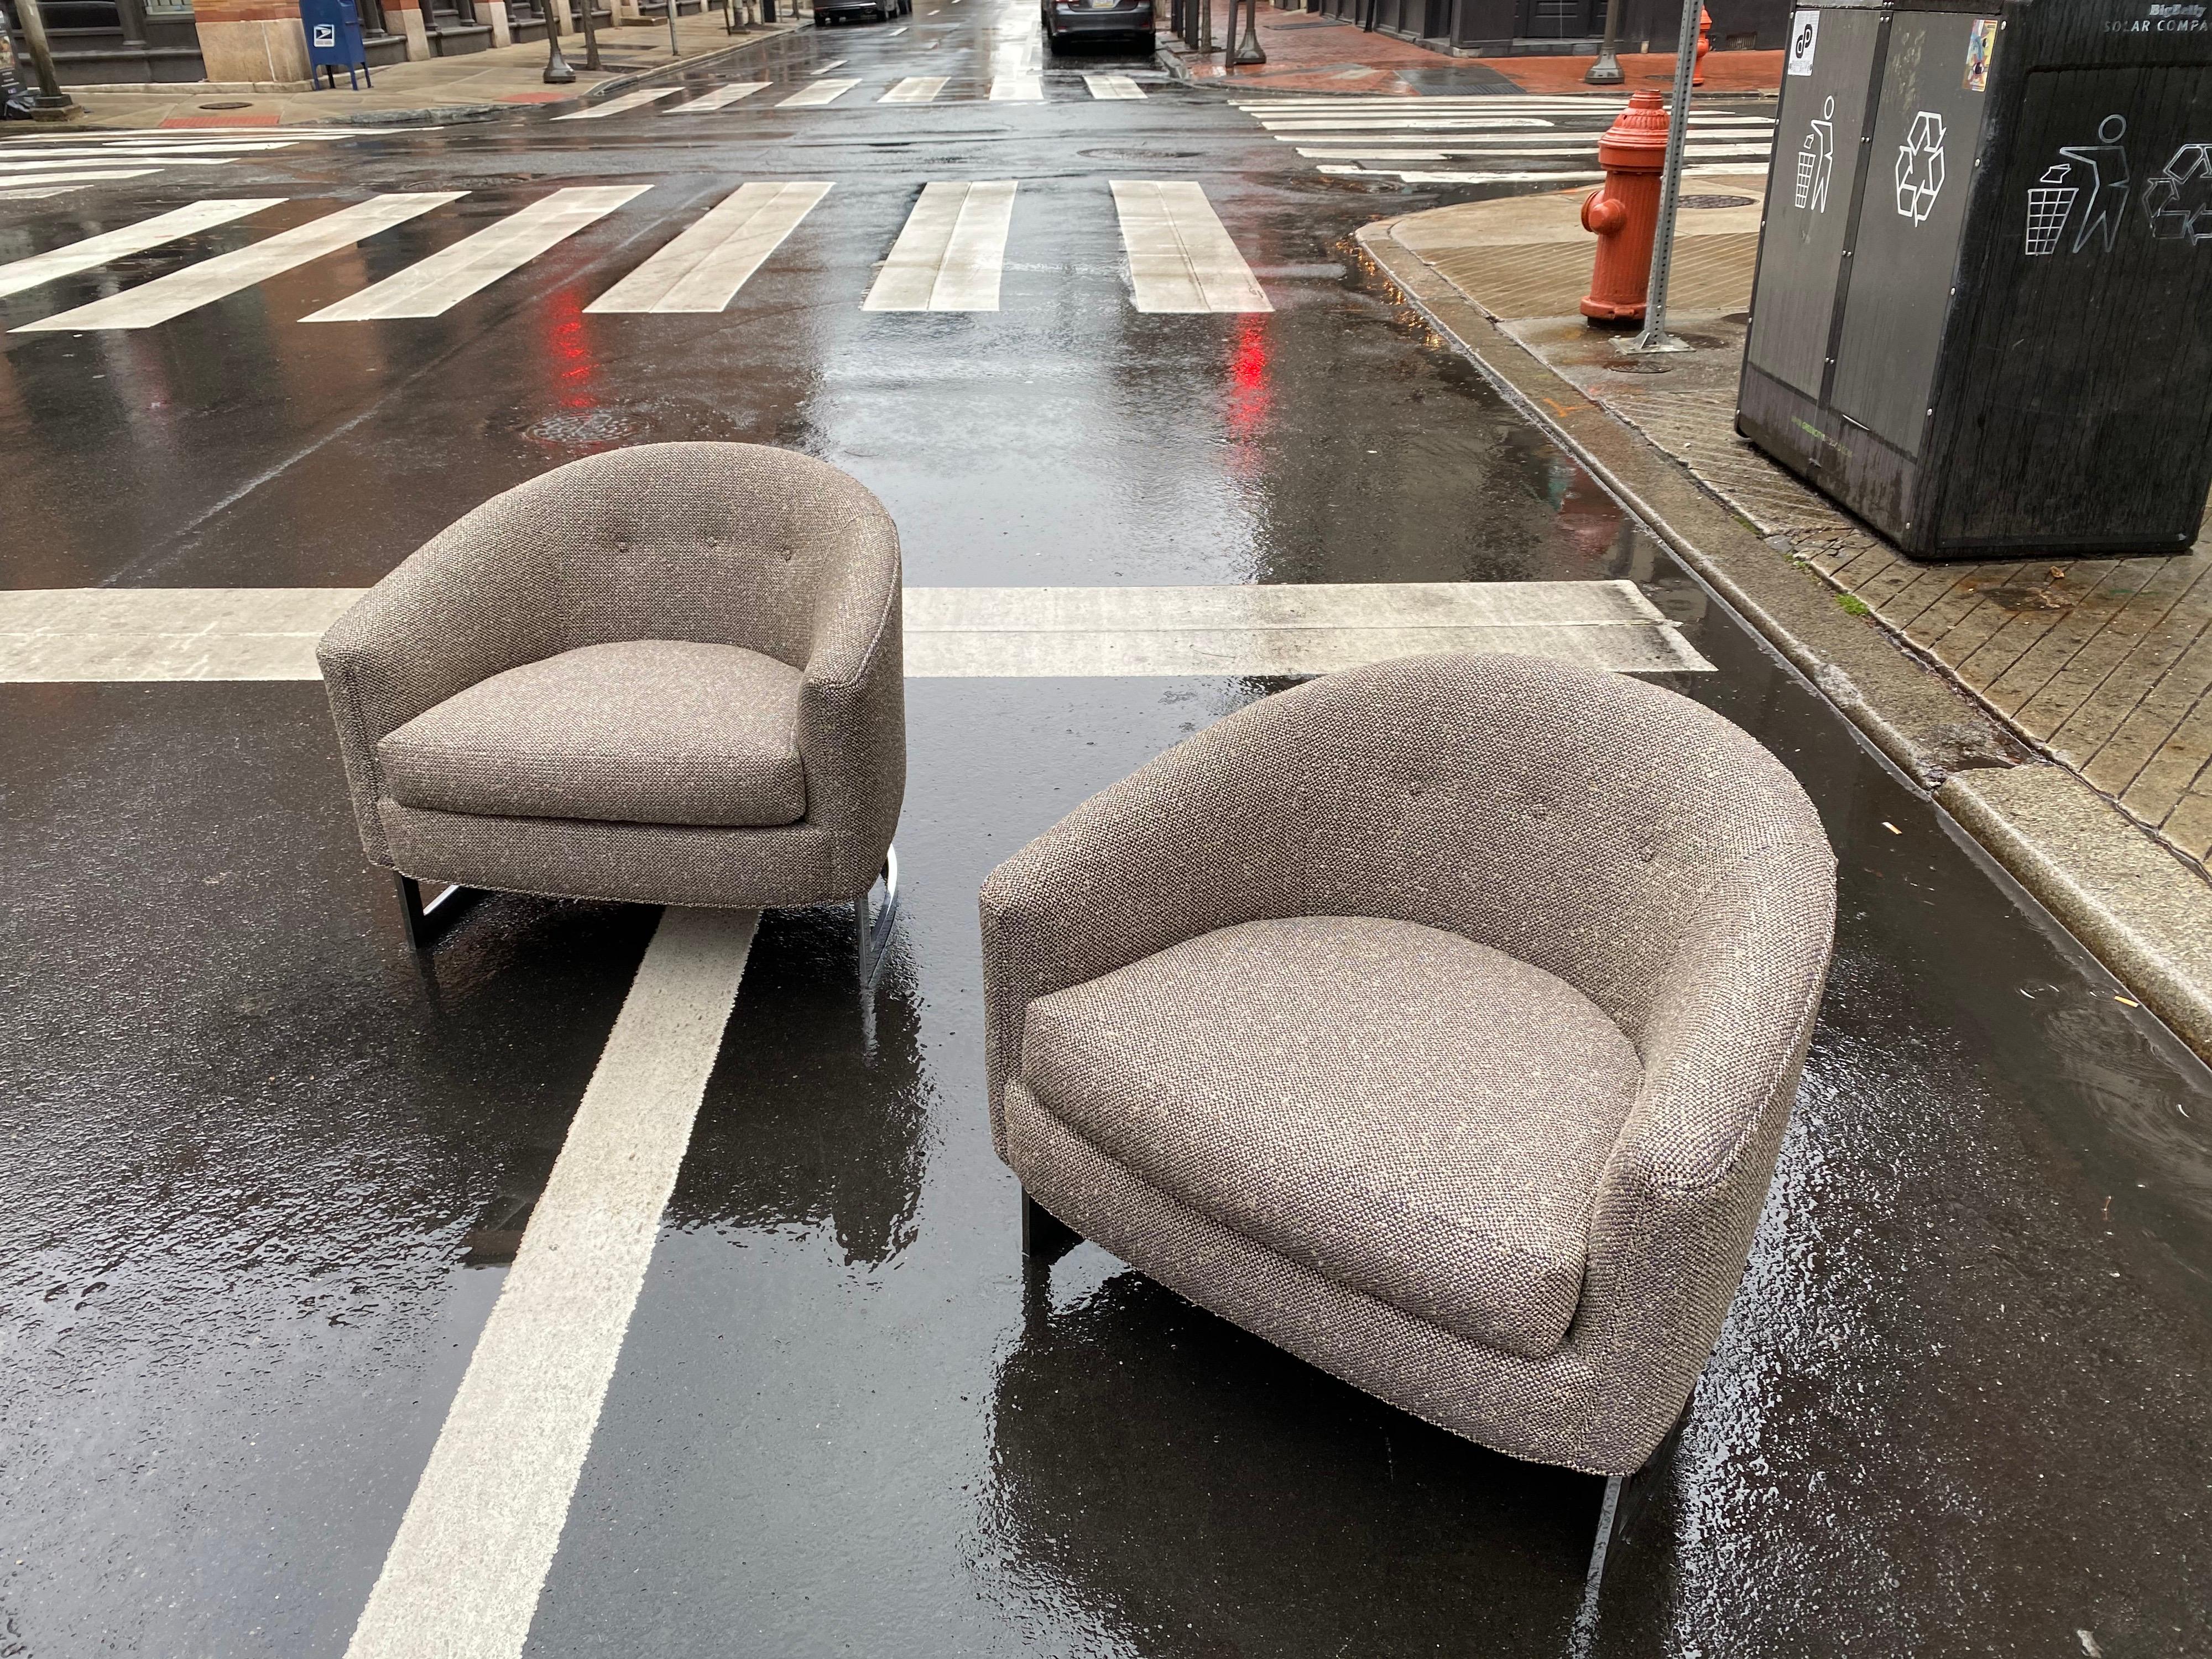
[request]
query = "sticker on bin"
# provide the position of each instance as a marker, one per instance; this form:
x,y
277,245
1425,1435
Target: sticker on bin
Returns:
x,y
1981,47
1804,35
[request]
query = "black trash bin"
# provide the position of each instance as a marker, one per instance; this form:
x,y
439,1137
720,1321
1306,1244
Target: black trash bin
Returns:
x,y
1983,314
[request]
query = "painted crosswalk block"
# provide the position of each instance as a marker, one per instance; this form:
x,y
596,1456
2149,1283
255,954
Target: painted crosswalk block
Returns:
x,y
629,101
195,285
720,98
433,286
48,164
914,90
703,270
1024,88
1494,140
1113,86
949,253
822,92
1180,258
94,252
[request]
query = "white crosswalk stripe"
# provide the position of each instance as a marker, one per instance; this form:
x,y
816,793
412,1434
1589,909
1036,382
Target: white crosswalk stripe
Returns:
x,y
950,252
629,101
822,92
1113,86
1018,89
47,164
703,268
720,98
94,252
432,286
195,285
949,255
1531,139
1180,258
916,90
824,69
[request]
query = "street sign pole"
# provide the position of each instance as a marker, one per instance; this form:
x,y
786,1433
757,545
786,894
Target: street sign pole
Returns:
x,y
49,102
1654,336
1606,72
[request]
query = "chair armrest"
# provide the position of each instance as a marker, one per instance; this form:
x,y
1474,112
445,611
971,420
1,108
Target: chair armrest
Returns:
x,y
470,603
1680,1200
852,700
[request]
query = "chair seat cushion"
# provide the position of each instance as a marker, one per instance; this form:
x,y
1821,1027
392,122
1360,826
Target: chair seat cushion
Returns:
x,y
1405,1111
641,731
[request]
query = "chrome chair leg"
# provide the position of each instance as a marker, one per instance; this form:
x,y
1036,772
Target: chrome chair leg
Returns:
x,y
872,935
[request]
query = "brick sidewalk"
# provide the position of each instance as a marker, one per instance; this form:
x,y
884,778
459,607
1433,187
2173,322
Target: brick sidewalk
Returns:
x,y
1307,52
2104,666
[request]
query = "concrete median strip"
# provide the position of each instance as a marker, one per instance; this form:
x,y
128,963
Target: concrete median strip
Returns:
x,y
95,634
463,1575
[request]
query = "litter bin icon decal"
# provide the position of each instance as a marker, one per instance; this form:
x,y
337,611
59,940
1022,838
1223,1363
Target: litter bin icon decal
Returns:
x,y
2049,203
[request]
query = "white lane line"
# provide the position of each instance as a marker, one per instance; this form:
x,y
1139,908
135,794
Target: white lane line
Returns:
x,y
1180,258
914,90
149,634
77,175
465,1571
949,251
10,170
1335,153
1471,123
901,29
32,195
1732,169
1113,86
822,92
629,101
95,251
703,270
721,97
113,155
209,280
430,287
1018,89
824,69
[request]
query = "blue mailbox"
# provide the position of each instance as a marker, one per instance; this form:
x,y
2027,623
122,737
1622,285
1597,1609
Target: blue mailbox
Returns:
x,y
334,40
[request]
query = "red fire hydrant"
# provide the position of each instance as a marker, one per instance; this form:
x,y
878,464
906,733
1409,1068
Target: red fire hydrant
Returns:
x,y
1704,45
1624,211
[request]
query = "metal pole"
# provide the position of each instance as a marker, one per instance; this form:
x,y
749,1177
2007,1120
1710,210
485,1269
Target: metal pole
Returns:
x,y
1606,72
675,51
1205,25
1654,336
1248,50
49,103
557,72
592,36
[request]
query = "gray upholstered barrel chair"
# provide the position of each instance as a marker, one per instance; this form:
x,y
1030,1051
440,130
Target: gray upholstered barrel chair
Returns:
x,y
1437,1021
669,674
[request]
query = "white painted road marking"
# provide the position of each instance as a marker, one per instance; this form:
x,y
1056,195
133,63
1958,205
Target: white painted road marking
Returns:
x,y
1113,86
629,101
1495,148
824,69
44,162
209,280
1018,89
822,92
463,1575
720,97
432,286
949,254
63,635
76,176
1180,258
703,268
95,251
914,90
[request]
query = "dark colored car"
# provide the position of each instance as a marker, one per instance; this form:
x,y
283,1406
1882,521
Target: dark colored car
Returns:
x,y
1067,21
881,10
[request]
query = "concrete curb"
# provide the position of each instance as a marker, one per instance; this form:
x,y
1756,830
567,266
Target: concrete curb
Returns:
x,y
2128,900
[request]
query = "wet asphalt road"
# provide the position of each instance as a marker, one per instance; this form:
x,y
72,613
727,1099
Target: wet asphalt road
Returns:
x,y
264,1170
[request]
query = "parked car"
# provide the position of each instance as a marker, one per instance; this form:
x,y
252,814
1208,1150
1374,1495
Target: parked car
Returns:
x,y
1065,20
881,10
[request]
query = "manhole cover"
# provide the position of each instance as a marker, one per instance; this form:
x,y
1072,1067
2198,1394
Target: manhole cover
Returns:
x,y
1112,155
242,106
1718,201
1638,366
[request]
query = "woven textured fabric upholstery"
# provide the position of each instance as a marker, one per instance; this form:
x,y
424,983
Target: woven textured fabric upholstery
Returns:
x,y
648,564
1410,1113
1617,837
644,732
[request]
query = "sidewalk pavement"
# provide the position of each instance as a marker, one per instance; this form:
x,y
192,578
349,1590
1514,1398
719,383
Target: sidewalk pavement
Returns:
x,y
2060,708
439,89
1308,52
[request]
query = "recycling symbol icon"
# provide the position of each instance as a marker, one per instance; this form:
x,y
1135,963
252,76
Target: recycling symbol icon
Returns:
x,y
2179,201
1920,167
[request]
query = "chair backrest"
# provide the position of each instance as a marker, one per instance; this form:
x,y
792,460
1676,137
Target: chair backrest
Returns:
x,y
728,544
1585,823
